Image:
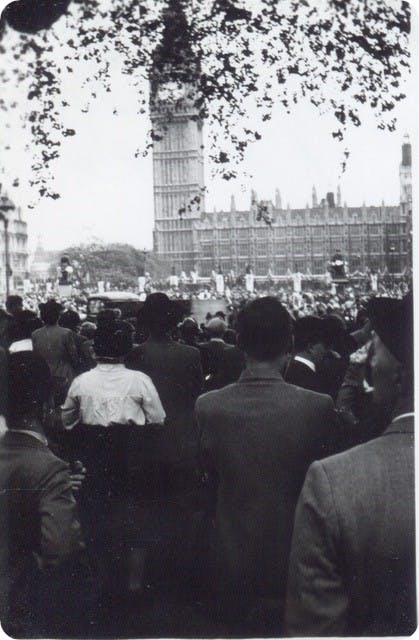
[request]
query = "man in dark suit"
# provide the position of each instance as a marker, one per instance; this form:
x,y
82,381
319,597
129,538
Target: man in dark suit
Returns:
x,y
56,345
352,566
309,350
71,320
222,363
42,564
14,305
175,370
258,438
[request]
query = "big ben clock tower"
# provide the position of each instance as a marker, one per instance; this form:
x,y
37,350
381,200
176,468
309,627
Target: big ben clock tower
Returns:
x,y
178,159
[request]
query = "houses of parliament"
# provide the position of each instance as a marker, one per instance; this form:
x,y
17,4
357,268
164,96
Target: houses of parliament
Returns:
x,y
189,238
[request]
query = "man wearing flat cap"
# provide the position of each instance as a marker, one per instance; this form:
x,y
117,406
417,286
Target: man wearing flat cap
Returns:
x,y
352,566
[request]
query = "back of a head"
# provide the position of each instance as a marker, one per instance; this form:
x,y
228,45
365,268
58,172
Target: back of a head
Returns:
x,y
87,330
113,339
105,318
188,329
308,330
264,329
334,328
216,327
50,312
29,381
393,322
14,304
69,320
26,323
159,314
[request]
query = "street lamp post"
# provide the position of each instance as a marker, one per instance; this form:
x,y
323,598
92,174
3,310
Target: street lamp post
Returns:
x,y
5,206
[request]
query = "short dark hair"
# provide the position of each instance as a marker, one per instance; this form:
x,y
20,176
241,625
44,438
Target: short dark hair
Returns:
x,y
69,320
264,329
113,339
14,303
309,330
50,312
26,322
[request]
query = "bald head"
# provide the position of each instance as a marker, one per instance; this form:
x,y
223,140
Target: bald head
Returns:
x,y
216,328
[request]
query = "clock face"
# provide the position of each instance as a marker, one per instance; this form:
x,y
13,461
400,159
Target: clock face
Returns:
x,y
171,91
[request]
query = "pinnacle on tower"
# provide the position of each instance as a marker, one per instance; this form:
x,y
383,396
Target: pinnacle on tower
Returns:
x,y
406,151
338,196
278,201
314,197
232,203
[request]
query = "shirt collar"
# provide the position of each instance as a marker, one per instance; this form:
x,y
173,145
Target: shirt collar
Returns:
x,y
21,345
259,373
33,434
308,363
105,366
403,423
402,416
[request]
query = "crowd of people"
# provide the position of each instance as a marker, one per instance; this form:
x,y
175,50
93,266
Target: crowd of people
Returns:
x,y
257,468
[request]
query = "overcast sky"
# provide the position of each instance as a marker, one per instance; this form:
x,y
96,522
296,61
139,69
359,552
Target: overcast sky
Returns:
x,y
106,192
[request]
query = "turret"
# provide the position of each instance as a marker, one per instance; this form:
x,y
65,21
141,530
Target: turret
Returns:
x,y
314,197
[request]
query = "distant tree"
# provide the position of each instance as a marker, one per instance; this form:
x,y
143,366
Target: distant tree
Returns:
x,y
340,55
114,263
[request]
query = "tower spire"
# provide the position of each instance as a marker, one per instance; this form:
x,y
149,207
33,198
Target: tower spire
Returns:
x,y
278,200
314,197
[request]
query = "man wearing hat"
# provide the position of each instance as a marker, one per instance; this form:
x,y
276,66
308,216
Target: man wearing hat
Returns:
x,y
310,348
174,368
352,565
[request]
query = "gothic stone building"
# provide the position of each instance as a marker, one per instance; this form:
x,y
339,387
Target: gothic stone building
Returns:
x,y
18,251
186,237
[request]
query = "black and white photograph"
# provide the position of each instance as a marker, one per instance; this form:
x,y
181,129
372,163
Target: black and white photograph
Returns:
x,y
207,290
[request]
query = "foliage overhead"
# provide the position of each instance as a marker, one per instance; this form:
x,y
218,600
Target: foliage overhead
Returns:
x,y
232,55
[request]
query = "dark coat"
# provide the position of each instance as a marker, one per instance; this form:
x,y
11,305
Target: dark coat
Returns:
x,y
176,372
58,348
222,363
40,536
3,382
7,324
259,436
352,566
301,375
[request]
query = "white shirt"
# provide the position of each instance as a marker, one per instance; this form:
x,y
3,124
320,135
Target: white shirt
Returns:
x,y
111,393
21,345
308,363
